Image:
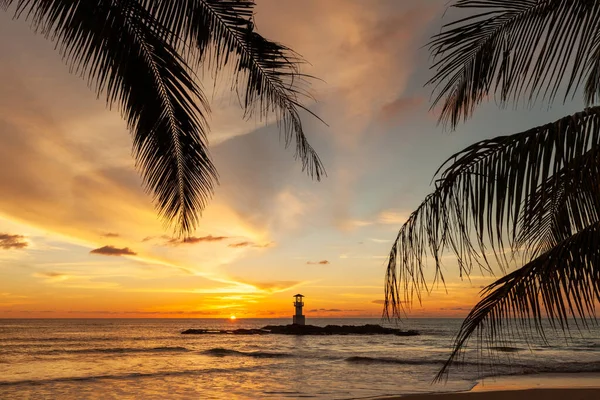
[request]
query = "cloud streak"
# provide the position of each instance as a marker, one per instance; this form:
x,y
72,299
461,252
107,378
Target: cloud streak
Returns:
x,y
250,244
52,276
150,238
110,235
274,286
196,240
322,262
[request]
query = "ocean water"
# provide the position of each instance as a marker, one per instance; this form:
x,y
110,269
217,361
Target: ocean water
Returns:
x,y
150,359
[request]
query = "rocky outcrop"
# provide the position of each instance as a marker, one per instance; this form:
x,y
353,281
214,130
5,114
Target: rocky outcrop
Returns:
x,y
307,330
225,332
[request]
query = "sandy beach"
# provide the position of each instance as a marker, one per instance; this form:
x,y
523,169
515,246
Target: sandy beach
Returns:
x,y
532,387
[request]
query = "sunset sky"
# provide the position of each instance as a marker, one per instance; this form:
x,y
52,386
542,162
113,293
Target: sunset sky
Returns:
x,y
79,237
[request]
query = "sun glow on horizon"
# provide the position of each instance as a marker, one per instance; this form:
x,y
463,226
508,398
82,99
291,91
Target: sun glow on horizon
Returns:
x,y
233,318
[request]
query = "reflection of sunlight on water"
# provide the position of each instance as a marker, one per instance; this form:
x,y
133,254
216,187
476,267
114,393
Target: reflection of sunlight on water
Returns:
x,y
148,358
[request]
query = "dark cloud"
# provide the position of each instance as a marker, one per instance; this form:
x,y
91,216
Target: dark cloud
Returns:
x,y
333,310
250,244
113,251
195,240
454,309
8,241
110,235
241,244
322,262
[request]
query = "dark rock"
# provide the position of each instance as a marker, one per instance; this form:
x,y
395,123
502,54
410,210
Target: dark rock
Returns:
x,y
308,330
199,332
336,330
249,332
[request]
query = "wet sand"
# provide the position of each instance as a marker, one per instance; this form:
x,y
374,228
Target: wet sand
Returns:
x,y
524,394
531,387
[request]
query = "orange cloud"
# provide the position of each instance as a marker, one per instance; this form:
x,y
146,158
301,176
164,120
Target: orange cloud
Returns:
x,y
113,251
8,241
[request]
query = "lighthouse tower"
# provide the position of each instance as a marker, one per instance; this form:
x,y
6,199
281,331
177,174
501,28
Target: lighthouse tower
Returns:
x,y
298,317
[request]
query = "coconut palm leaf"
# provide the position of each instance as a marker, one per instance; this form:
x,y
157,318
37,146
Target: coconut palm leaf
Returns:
x,y
120,50
478,201
155,87
566,203
537,191
562,284
513,47
219,33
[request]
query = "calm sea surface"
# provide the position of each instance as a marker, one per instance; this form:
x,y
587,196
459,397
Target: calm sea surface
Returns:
x,y
147,359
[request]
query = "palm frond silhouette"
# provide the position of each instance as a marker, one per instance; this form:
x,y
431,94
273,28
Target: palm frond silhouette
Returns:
x,y
141,56
531,197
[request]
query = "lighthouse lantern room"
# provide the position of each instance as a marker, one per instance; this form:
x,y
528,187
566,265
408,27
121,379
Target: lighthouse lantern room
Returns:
x,y
298,304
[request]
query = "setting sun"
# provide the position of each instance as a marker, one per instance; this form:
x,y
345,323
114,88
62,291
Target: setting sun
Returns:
x,y
232,318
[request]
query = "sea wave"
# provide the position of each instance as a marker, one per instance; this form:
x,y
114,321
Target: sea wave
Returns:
x,y
506,349
117,350
566,367
414,361
390,360
57,339
222,352
135,375
78,339
483,369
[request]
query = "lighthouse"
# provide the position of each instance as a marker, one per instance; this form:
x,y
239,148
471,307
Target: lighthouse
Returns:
x,y
298,304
